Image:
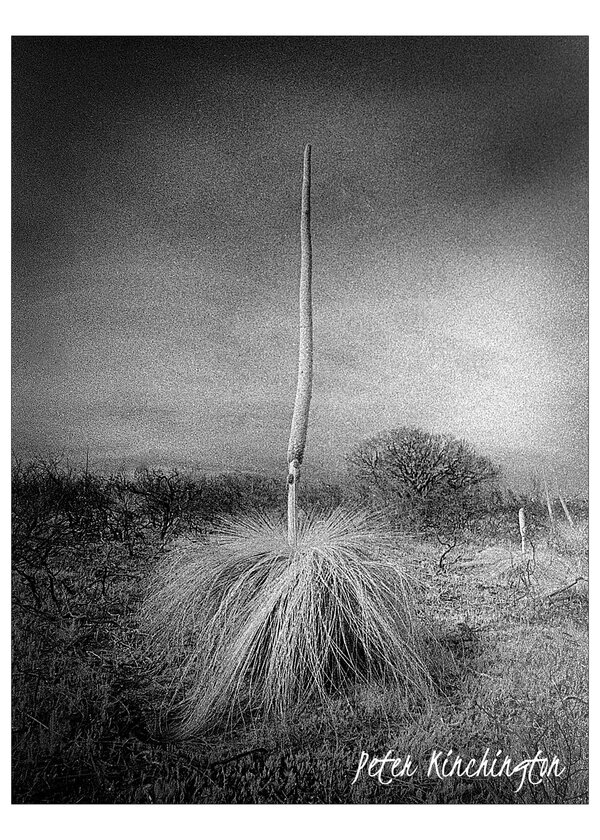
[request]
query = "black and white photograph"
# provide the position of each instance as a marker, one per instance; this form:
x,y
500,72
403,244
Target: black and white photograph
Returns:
x,y
299,447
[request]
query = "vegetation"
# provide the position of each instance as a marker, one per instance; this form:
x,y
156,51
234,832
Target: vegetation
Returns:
x,y
263,632
88,712
174,642
424,478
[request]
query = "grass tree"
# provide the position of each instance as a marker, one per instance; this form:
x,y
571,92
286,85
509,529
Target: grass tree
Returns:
x,y
269,617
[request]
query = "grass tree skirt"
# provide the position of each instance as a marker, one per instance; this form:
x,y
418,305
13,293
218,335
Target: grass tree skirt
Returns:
x,y
256,629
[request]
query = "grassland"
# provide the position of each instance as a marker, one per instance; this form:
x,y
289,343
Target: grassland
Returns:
x,y
89,724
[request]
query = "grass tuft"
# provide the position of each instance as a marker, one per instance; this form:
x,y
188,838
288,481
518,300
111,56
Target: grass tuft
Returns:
x,y
245,626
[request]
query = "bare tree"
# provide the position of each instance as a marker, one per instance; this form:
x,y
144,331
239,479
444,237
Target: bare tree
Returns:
x,y
420,469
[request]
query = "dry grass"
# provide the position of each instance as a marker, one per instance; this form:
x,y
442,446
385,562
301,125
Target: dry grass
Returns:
x,y
254,628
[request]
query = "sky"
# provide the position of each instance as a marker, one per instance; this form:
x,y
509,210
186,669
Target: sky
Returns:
x,y
156,252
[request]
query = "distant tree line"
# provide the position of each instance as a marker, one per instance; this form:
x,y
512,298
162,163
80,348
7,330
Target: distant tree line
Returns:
x,y
422,481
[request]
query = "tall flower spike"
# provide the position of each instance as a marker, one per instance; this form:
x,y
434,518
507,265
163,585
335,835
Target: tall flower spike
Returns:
x,y
522,529
299,428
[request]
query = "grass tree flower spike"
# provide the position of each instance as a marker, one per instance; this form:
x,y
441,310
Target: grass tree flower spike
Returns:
x,y
522,528
299,428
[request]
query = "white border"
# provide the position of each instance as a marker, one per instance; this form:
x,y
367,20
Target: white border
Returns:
x,y
313,17
309,17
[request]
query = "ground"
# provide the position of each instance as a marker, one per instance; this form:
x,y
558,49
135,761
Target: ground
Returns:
x,y
87,724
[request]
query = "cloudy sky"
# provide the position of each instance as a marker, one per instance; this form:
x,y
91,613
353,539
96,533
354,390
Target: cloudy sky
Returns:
x,y
156,193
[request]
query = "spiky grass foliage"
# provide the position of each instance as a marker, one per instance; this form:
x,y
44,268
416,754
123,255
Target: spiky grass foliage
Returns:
x,y
250,627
